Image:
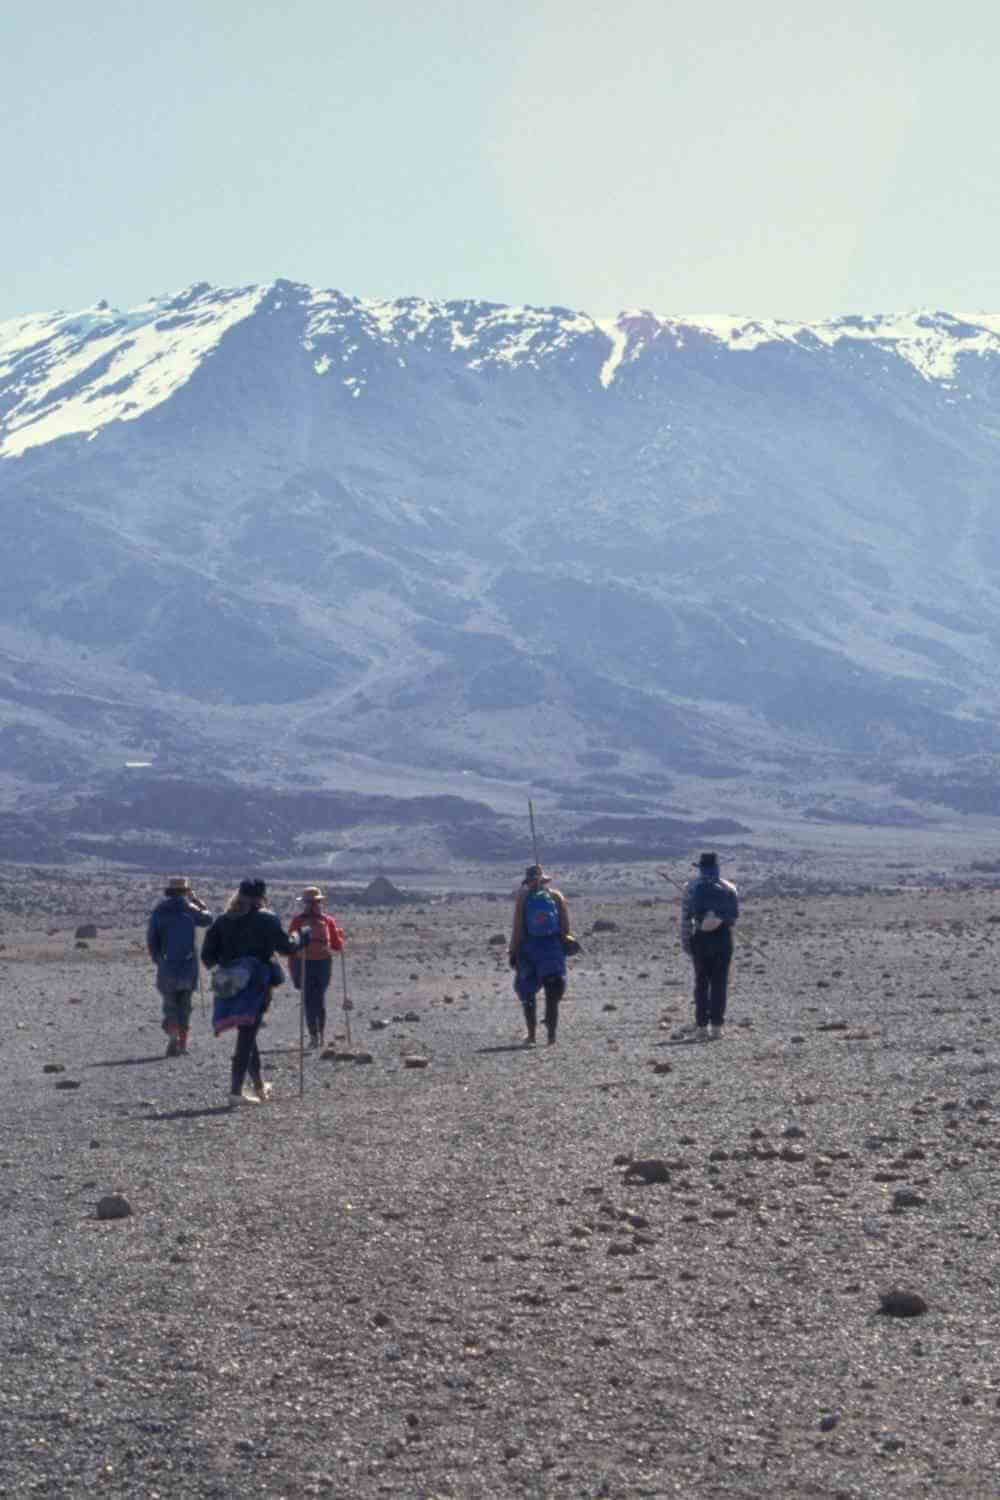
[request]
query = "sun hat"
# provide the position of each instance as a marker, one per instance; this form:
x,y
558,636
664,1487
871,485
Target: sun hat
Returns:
x,y
178,883
535,873
312,893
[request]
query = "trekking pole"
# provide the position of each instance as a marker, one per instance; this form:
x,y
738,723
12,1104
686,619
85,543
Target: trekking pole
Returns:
x,y
534,839
302,1026
201,987
348,1007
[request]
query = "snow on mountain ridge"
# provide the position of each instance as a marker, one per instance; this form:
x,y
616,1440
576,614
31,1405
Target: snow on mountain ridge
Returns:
x,y
67,373
77,372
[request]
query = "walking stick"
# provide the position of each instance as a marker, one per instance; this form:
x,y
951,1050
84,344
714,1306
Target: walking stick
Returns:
x,y
347,1004
534,840
302,1026
201,987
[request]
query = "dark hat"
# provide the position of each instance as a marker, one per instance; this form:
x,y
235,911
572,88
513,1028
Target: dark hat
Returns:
x,y
706,861
533,873
254,889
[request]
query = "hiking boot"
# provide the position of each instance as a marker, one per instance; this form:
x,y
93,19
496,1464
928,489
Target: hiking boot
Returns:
x,y
313,1041
715,1034
260,1092
700,1034
529,1037
236,1101
551,1040
182,1043
173,1048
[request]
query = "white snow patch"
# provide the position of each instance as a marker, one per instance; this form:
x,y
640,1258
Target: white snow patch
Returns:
x,y
619,343
144,356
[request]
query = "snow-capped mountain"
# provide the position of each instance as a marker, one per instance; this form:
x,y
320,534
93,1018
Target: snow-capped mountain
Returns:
x,y
294,534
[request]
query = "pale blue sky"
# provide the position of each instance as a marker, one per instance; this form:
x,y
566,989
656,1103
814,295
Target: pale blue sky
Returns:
x,y
772,159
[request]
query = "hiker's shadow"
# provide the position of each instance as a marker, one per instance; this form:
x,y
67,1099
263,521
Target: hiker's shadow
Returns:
x,y
189,1114
127,1062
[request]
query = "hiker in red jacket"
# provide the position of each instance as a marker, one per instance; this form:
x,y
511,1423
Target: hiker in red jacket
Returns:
x,y
326,939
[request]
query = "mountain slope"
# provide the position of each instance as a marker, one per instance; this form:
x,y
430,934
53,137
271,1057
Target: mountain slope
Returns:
x,y
293,534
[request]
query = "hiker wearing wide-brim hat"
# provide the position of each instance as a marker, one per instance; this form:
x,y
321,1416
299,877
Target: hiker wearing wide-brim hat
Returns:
x,y
709,908
170,940
316,962
536,952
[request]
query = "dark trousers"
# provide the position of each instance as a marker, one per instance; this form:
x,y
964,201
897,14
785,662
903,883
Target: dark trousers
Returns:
x,y
555,988
711,953
318,971
246,1058
177,1012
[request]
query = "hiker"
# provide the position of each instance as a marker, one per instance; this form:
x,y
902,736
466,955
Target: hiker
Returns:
x,y
170,938
536,953
240,945
709,908
315,964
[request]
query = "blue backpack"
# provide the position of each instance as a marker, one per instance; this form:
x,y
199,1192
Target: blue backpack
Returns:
x,y
541,915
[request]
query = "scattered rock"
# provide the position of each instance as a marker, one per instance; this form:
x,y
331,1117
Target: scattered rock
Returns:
x,y
908,1198
415,1061
609,1005
113,1206
662,1067
53,1068
68,1083
827,1424
622,1247
363,1057
382,892
603,924
496,941
902,1304
378,1024
86,930
652,1169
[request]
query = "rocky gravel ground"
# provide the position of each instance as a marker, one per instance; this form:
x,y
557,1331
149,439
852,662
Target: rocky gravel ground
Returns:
x,y
455,1279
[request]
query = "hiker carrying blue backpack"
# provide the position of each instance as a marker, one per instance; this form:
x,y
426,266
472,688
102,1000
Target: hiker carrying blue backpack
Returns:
x,y
536,952
708,911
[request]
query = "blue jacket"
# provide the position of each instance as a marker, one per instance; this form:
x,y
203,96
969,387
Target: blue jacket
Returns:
x,y
170,940
708,895
245,1006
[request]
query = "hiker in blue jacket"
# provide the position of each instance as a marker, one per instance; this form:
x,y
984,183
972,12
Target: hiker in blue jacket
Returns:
x,y
171,944
536,952
709,908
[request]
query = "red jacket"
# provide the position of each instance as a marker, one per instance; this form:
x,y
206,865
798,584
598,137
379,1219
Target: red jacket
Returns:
x,y
326,936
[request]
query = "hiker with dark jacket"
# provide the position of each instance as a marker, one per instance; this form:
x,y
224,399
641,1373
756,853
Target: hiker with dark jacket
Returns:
x,y
536,953
170,939
241,945
709,908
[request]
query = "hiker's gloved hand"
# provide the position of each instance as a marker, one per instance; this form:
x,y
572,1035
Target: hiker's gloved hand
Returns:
x,y
305,937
